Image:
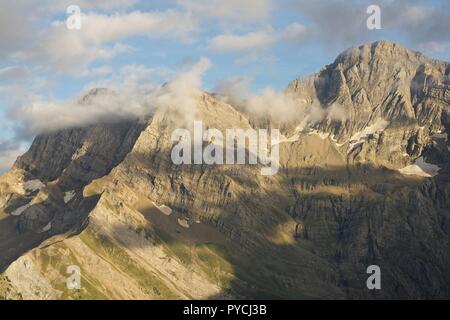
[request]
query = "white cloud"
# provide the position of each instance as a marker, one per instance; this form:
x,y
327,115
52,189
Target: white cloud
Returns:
x,y
100,36
132,77
30,34
235,89
106,28
293,32
283,107
132,100
236,10
101,106
256,40
96,3
336,112
278,106
181,94
100,71
249,41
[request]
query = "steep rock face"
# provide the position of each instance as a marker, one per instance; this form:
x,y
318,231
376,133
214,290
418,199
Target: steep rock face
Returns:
x,y
248,210
142,227
394,100
77,156
42,195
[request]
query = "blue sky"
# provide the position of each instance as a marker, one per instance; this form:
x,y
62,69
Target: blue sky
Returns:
x,y
132,42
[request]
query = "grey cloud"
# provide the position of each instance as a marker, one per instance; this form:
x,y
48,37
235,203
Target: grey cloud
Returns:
x,y
14,73
335,21
235,10
15,24
420,21
7,146
8,154
342,23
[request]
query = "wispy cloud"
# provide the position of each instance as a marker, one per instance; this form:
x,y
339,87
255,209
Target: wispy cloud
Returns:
x,y
278,106
234,10
256,40
249,41
342,23
14,73
134,98
74,50
8,154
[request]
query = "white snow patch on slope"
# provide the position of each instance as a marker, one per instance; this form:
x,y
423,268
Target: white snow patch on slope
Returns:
x,y
360,137
69,196
20,210
421,168
47,227
302,124
164,209
333,138
183,222
34,185
284,139
322,135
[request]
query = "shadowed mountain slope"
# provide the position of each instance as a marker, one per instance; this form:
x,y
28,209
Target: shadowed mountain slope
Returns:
x,y
368,188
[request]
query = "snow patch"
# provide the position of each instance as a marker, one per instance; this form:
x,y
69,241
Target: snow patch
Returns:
x,y
20,210
333,138
284,139
322,135
421,168
183,222
69,196
302,124
34,185
47,227
164,209
360,137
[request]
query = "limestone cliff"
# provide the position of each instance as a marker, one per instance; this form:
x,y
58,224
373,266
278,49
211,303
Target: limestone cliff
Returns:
x,y
368,188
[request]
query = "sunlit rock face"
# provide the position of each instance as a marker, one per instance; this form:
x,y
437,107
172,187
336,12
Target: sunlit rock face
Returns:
x,y
367,184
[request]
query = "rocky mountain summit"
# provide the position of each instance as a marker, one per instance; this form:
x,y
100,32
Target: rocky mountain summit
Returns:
x,y
366,183
393,99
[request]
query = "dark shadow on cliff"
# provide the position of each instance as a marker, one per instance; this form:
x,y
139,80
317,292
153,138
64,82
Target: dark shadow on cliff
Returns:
x,y
337,221
68,171
313,233
60,155
20,234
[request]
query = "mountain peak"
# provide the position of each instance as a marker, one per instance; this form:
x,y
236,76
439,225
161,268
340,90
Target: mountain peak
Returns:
x,y
381,49
93,93
381,114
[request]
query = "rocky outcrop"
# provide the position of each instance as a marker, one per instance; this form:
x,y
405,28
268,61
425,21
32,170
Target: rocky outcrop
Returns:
x,y
111,200
394,100
77,156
